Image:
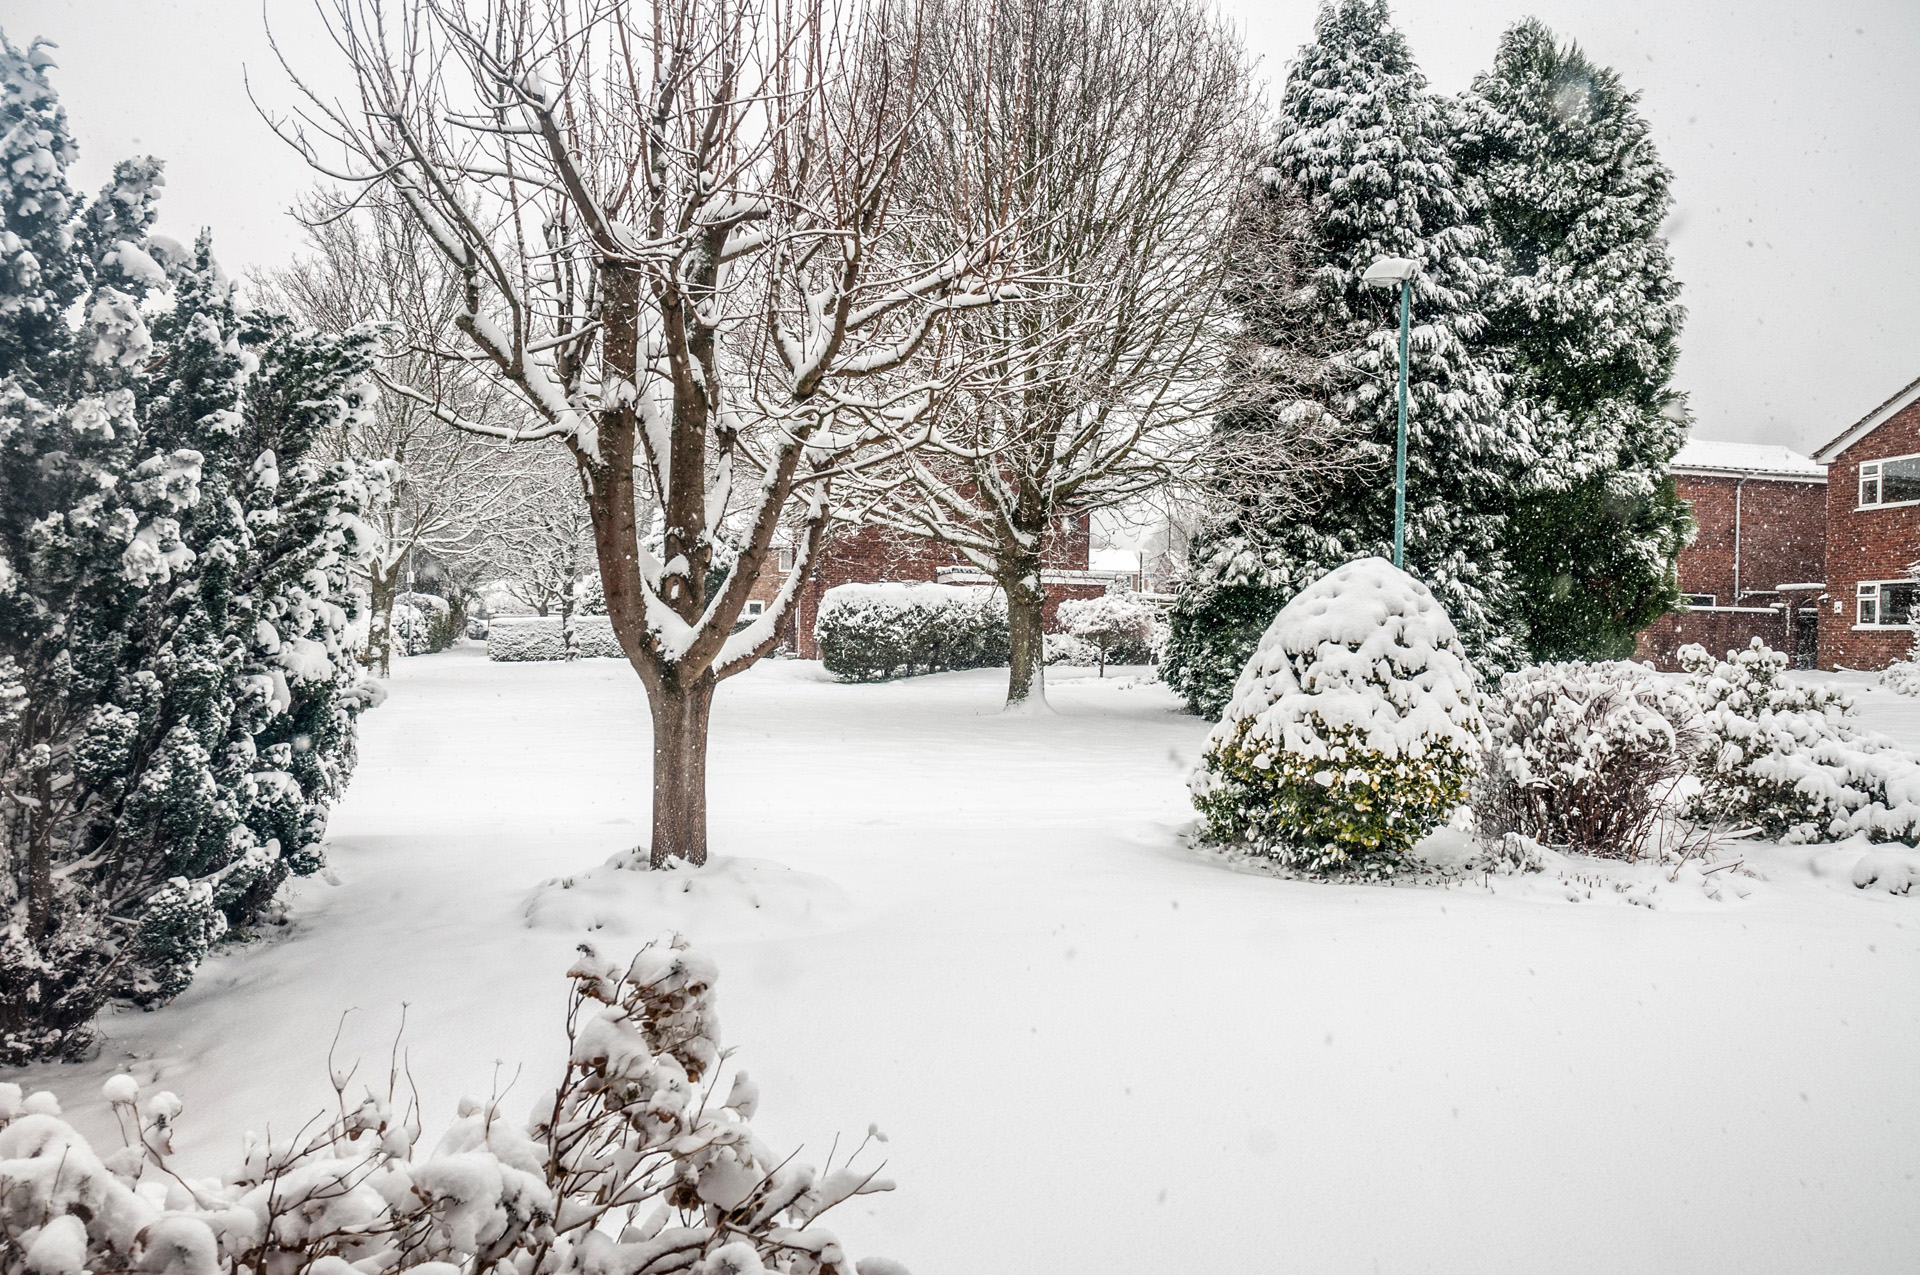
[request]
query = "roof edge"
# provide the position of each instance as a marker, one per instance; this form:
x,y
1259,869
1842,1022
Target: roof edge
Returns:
x,y
1867,424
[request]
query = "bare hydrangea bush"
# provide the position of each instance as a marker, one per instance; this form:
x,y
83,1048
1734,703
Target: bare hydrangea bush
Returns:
x,y
634,1166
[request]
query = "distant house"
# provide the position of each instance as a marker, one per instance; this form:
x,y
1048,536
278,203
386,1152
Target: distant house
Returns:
x,y
1873,535
1755,567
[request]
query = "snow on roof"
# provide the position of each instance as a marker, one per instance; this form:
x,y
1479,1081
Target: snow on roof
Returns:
x,y
1715,456
1115,560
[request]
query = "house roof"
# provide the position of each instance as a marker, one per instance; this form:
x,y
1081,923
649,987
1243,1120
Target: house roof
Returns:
x,y
1745,460
1867,424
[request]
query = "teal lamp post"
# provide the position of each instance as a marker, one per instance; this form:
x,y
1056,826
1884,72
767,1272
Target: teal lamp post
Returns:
x,y
1385,273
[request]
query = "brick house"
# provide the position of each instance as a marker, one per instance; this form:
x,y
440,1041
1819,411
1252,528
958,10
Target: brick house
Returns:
x,y
1755,567
1873,536
870,555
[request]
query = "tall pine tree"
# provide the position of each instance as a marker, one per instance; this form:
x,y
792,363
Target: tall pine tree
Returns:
x,y
1573,195
1366,143
177,692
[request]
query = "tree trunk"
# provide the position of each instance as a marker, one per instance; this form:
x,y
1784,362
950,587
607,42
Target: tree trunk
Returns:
x,y
680,714
40,856
380,593
1026,648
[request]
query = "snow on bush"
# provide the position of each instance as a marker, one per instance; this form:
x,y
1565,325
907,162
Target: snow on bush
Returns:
x,y
1119,626
871,632
635,1165
1783,756
1903,676
1585,756
530,637
1352,732
421,624
1065,648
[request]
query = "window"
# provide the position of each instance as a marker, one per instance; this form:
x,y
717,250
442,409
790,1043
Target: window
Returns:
x,y
754,609
786,559
1699,599
1886,604
1890,482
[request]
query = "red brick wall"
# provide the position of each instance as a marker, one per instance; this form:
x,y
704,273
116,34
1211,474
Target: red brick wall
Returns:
x,y
1718,631
1782,536
869,555
1867,544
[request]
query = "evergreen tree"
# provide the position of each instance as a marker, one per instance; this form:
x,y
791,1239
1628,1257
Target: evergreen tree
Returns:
x,y
1368,145
176,692
1573,196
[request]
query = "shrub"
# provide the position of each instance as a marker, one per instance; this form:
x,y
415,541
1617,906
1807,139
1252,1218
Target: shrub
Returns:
x,y
1352,731
1903,676
1585,755
1065,648
634,1163
1784,757
871,632
1119,626
428,626
536,637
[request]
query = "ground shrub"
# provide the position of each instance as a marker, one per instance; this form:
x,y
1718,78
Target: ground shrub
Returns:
x,y
1585,755
635,1163
423,623
872,632
1903,676
543,637
1783,756
1352,732
1066,649
1120,627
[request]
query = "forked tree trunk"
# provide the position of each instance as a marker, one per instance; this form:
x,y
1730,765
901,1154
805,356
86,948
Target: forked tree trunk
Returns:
x,y
680,714
1026,646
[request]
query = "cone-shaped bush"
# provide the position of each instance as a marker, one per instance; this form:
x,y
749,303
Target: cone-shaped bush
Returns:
x,y
1352,731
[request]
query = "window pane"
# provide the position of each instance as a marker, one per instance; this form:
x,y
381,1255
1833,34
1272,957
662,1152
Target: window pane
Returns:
x,y
1900,480
1897,601
1869,609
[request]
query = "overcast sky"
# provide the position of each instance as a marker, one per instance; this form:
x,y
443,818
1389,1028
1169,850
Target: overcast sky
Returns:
x,y
1790,126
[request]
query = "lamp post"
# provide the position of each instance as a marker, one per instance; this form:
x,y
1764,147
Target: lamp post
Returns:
x,y
1385,273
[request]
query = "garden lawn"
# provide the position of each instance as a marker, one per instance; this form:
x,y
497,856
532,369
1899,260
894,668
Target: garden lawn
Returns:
x,y
1092,1049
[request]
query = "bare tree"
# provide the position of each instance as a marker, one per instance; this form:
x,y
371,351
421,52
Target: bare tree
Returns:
x,y
544,548
450,488
675,230
1119,132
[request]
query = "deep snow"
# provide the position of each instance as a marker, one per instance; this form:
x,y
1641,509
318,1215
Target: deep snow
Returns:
x,y
1093,1049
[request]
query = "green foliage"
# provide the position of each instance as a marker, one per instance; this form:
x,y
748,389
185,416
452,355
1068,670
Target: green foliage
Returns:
x,y
1212,632
1355,812
869,633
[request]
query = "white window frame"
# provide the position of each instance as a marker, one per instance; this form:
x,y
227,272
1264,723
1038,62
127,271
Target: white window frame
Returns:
x,y
1866,593
1874,472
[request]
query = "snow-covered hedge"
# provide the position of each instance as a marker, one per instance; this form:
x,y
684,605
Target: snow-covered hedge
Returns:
x,y
1352,732
637,1164
1585,755
870,632
1903,676
530,637
422,624
1121,627
1065,648
1783,756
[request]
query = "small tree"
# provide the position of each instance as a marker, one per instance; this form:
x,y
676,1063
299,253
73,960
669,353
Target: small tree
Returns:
x,y
1119,130
677,242
1118,625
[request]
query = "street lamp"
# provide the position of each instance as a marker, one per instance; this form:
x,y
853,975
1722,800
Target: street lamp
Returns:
x,y
1385,273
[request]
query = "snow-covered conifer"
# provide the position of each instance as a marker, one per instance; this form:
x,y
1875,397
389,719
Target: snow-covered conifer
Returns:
x,y
1367,143
172,608
1352,732
1573,194
1118,626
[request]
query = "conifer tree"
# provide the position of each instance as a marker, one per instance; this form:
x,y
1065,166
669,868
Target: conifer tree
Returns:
x,y
1366,143
176,691
1573,194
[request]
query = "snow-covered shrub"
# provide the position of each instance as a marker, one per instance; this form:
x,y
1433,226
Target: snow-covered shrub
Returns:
x,y
1352,732
422,623
1903,676
637,1163
1065,648
1782,756
1585,755
1119,626
870,632
534,637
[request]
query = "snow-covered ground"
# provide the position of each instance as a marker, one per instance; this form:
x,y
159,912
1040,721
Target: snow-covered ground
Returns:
x,y
1093,1049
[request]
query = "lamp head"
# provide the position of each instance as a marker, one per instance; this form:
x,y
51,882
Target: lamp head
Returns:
x,y
1389,272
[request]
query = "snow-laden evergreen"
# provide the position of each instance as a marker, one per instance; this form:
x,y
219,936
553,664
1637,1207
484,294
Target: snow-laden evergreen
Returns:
x,y
1363,137
871,632
1352,732
1573,196
178,685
